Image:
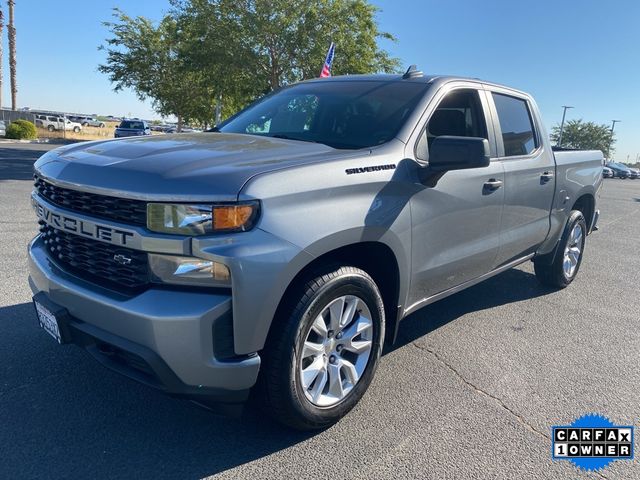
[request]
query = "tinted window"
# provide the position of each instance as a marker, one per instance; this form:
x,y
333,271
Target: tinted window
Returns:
x,y
515,122
342,114
459,114
133,125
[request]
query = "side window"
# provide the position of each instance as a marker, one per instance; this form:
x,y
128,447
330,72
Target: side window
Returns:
x,y
458,114
518,134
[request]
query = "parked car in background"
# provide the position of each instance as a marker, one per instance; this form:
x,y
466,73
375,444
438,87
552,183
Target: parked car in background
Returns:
x,y
634,173
92,122
619,170
3,128
54,122
132,128
607,172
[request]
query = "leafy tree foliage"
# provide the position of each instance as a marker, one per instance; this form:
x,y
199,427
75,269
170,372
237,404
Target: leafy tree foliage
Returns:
x,y
585,135
206,52
147,58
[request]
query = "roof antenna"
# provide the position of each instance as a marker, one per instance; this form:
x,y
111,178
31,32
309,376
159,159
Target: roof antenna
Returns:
x,y
412,72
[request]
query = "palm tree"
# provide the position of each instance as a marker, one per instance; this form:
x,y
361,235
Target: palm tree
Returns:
x,y
12,54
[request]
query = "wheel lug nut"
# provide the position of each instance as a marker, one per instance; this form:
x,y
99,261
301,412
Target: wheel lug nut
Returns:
x,y
330,333
339,348
332,359
339,336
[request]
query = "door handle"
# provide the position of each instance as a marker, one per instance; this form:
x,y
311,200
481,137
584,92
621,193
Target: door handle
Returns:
x,y
546,176
492,184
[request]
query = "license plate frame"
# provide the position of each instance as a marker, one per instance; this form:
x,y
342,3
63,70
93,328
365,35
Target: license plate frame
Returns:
x,y
51,318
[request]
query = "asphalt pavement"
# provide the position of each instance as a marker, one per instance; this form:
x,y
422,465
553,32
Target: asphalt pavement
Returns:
x,y
470,391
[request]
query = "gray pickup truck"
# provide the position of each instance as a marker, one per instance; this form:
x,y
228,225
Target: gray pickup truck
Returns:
x,y
275,253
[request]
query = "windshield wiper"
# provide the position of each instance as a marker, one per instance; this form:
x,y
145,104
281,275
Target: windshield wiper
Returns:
x,y
289,137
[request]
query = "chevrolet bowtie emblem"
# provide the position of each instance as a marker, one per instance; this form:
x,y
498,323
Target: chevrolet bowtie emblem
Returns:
x,y
121,259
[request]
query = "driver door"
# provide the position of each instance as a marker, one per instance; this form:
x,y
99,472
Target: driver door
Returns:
x,y
456,223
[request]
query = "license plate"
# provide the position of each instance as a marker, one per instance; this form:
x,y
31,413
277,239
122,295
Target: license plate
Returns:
x,y
48,321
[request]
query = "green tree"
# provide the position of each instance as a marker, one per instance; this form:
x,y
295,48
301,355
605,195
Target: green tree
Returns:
x,y
148,59
206,52
586,136
283,41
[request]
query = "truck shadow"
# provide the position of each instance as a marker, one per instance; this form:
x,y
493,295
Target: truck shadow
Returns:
x,y
511,286
65,415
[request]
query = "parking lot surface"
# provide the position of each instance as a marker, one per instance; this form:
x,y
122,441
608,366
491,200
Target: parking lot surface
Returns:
x,y
469,392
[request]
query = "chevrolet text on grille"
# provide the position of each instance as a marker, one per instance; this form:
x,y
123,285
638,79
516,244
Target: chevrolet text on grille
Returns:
x,y
75,225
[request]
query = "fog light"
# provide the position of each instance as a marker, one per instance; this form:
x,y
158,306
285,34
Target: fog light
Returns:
x,y
188,271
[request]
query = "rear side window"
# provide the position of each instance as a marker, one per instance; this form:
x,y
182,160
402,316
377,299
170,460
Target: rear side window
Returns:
x,y
518,134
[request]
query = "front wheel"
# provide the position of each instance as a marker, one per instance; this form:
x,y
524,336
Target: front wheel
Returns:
x,y
51,128
76,129
561,269
323,352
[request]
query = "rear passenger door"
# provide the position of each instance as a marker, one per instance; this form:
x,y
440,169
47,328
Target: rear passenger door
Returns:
x,y
529,170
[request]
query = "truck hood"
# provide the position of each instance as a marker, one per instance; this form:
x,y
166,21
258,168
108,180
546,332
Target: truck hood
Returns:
x,y
180,167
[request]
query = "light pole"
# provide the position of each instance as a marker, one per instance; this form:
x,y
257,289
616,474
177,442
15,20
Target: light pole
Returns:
x,y
564,113
613,125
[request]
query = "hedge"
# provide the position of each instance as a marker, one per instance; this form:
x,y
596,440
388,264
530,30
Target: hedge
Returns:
x,y
21,130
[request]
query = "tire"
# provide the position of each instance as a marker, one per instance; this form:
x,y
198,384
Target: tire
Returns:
x,y
307,376
76,129
560,271
102,125
51,128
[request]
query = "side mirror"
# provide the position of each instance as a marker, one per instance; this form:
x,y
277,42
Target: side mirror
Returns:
x,y
458,153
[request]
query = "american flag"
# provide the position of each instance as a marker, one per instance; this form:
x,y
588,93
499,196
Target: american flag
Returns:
x,y
326,69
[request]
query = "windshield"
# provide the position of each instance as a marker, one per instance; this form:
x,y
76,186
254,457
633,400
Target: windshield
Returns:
x,y
341,114
134,125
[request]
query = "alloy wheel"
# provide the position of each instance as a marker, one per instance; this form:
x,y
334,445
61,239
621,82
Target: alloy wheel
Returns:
x,y
572,251
336,351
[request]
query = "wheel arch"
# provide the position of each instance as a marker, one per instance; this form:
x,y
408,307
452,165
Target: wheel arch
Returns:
x,y
586,204
374,257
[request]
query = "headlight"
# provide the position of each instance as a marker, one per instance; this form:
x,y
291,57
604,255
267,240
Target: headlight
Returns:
x,y
187,219
188,271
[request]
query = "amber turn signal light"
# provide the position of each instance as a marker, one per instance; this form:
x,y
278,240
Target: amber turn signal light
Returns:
x,y
238,217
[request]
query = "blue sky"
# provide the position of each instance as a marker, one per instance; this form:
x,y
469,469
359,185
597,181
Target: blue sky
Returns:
x,y
583,53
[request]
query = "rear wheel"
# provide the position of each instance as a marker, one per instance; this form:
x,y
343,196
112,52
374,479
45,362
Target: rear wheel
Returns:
x,y
321,358
51,128
76,129
560,270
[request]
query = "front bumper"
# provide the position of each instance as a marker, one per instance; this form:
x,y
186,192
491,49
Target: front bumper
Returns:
x,y
166,338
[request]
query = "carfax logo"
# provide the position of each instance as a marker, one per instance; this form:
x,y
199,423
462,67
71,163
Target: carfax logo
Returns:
x,y
592,442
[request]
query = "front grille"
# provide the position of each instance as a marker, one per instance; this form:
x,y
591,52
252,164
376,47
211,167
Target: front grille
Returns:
x,y
94,261
132,212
